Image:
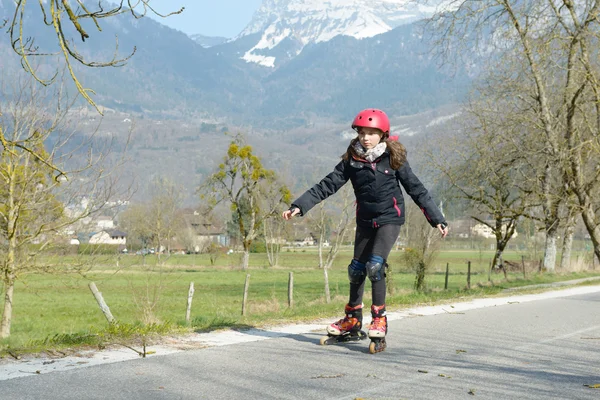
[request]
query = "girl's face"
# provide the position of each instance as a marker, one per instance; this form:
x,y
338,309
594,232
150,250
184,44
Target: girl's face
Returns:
x,y
369,137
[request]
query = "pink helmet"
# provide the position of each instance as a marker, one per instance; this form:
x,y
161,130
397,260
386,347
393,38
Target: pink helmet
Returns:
x,y
371,118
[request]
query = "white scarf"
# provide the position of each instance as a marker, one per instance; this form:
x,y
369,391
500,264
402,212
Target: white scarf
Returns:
x,y
370,154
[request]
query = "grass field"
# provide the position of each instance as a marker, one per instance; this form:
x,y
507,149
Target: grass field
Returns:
x,y
59,310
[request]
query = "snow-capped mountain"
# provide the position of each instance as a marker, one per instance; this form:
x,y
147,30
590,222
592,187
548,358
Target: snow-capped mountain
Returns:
x,y
285,27
208,41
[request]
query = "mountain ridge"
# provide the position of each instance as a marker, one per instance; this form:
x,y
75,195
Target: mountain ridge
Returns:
x,y
304,22
173,76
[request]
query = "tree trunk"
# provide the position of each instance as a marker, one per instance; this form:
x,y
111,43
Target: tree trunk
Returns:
x,y
9,268
550,250
248,238
157,252
273,251
326,278
9,286
9,281
420,276
272,234
269,248
588,214
551,206
497,261
321,217
276,253
567,246
320,248
593,228
246,257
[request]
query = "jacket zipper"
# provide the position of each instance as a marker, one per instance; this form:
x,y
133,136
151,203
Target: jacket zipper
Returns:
x,y
425,213
396,207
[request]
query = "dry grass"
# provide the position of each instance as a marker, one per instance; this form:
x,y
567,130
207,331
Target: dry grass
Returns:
x,y
579,264
264,307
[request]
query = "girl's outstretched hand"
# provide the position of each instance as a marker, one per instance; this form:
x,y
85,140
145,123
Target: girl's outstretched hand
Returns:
x,y
289,214
443,228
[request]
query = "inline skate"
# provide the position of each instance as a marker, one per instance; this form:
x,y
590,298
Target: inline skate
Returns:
x,y
378,329
347,329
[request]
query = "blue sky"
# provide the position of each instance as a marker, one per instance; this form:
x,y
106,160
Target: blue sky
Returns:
x,y
211,18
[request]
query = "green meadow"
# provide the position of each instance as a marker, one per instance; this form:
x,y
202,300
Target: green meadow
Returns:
x,y
148,296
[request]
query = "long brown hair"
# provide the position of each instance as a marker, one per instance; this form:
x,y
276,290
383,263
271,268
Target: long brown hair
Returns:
x,y
396,149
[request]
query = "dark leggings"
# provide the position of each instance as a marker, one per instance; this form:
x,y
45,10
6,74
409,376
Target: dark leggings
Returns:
x,y
368,242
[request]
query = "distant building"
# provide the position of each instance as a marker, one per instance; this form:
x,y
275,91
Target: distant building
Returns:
x,y
109,237
306,241
302,234
201,231
462,228
105,222
486,232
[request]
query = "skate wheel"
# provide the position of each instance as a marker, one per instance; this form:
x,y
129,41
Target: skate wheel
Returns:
x,y
373,348
324,340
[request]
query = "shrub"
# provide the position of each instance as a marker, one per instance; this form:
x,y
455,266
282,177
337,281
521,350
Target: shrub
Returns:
x,y
258,247
97,249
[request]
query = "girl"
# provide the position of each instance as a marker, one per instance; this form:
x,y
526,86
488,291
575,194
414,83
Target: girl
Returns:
x,y
376,165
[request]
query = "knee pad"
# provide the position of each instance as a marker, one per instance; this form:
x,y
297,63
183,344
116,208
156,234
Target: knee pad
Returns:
x,y
356,272
375,269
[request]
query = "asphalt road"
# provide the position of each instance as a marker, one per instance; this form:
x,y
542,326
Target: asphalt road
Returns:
x,y
547,348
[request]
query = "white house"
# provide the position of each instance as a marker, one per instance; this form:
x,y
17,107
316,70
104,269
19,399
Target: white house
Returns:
x,y
307,241
104,222
486,231
200,232
109,237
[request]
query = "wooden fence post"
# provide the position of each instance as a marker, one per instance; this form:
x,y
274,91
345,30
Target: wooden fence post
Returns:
x,y
446,281
523,264
291,290
189,303
101,303
468,274
246,285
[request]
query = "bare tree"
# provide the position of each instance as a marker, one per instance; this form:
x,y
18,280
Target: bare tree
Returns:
x,y
156,223
553,42
273,229
243,182
517,141
159,220
423,245
570,209
133,221
323,221
62,17
38,207
490,175
164,213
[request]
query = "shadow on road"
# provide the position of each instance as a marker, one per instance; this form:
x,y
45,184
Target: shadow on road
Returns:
x,y
311,338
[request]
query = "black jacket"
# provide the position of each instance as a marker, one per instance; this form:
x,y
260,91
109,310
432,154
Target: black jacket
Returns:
x,y
379,199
